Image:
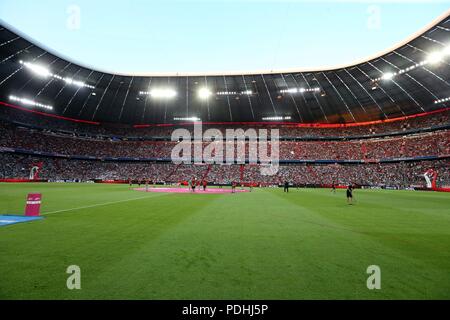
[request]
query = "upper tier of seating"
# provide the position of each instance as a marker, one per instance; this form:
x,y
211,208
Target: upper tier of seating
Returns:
x,y
113,131
426,144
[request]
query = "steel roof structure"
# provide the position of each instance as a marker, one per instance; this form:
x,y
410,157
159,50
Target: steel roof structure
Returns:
x,y
411,78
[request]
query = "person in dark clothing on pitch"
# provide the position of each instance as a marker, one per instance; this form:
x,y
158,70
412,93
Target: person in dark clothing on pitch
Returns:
x,y
333,188
286,187
350,194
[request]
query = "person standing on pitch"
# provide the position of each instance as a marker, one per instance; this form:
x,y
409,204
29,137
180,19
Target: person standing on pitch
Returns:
x,y
350,194
333,188
204,185
286,187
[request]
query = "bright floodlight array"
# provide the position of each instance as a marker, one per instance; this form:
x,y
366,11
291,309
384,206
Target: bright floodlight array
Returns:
x,y
28,102
46,73
432,59
160,93
233,93
276,118
187,119
442,100
387,76
204,93
300,90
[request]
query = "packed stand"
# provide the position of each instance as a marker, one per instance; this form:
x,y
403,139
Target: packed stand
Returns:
x,y
402,174
425,144
292,130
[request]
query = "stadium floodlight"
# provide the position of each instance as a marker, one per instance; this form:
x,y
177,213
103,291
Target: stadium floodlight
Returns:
x,y
78,83
276,118
446,50
38,69
71,81
234,93
204,93
187,119
435,57
226,93
28,102
301,90
272,118
163,93
44,72
387,76
442,100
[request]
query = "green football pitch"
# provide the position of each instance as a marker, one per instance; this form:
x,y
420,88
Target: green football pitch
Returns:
x,y
265,244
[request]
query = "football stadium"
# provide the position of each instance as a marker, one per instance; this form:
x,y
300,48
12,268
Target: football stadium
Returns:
x,y
295,184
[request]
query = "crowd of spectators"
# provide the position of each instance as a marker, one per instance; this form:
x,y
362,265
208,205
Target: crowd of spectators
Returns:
x,y
73,142
403,174
376,174
425,144
291,130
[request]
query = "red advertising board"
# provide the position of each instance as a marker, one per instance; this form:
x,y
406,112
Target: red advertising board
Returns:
x,y
33,206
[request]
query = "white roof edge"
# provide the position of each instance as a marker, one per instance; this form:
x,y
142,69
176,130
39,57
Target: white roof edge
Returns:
x,y
233,73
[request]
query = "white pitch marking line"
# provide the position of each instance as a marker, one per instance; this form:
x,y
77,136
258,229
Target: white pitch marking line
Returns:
x,y
94,205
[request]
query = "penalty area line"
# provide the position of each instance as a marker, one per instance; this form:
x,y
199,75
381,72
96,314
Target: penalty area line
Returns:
x,y
94,205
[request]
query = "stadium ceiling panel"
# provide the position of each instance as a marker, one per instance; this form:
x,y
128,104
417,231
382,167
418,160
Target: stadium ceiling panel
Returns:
x,y
412,78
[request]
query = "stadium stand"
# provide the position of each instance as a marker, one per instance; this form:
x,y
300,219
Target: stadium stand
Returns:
x,y
388,160
400,174
414,145
349,125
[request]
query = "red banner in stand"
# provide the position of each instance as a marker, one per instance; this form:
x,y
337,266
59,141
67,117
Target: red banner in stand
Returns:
x,y
33,206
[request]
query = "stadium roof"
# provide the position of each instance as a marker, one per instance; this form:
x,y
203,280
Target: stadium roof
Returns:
x,y
411,78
